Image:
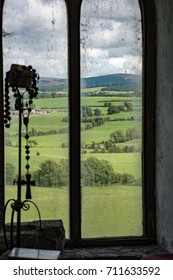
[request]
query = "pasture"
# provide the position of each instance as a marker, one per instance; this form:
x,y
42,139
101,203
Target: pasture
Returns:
x,y
120,206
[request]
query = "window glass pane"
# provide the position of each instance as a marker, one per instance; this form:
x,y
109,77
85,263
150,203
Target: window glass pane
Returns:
x,y
111,118
35,33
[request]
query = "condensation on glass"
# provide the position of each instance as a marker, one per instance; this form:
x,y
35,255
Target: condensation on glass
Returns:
x,y
111,118
35,33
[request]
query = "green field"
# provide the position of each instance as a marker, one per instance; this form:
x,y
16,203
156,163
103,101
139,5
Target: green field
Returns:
x,y
114,210
120,208
103,132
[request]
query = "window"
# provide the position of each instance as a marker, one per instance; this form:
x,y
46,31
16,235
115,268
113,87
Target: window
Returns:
x,y
84,18
35,40
111,121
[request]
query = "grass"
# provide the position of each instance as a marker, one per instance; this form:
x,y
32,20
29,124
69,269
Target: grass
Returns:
x,y
107,210
50,121
53,153
102,133
125,115
51,103
121,162
120,208
100,100
47,122
54,141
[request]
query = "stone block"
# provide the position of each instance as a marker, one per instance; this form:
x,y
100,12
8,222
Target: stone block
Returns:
x,y
50,237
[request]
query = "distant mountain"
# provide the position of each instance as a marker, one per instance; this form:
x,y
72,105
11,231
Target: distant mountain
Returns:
x,y
110,82
52,84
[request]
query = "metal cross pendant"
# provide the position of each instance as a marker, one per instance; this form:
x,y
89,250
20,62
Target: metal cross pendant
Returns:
x,y
28,183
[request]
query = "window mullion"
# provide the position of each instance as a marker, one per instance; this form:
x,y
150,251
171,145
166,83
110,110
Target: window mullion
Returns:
x,y
74,111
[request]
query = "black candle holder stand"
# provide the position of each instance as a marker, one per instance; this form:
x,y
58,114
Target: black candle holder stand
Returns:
x,y
19,77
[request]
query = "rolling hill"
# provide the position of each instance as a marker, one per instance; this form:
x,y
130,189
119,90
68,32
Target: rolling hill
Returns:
x,y
110,82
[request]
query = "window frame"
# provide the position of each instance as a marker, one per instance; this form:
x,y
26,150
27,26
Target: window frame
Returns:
x,y
2,157
149,93
149,89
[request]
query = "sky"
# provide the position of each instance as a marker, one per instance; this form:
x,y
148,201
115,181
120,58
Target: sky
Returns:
x,y
110,33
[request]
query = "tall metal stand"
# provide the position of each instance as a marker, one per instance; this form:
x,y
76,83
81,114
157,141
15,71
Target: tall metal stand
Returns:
x,y
20,76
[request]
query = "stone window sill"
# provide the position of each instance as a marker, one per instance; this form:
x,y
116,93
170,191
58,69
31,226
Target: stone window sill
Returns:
x,y
111,253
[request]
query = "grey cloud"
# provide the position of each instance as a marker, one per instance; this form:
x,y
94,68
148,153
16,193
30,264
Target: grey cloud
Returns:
x,y
119,10
114,36
39,36
119,52
48,2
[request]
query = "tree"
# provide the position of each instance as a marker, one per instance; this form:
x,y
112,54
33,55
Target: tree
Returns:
x,y
115,109
33,132
89,111
129,106
8,142
128,179
88,126
87,174
53,94
10,173
97,112
64,145
118,136
96,172
52,173
65,119
133,133
32,143
86,111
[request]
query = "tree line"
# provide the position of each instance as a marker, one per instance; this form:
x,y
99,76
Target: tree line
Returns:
x,y
94,172
86,111
118,136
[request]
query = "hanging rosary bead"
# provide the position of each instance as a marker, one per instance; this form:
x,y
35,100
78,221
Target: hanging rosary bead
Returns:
x,y
26,121
27,166
26,136
24,107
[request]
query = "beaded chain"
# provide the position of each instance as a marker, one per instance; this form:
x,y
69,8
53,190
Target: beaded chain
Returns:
x,y
32,92
25,106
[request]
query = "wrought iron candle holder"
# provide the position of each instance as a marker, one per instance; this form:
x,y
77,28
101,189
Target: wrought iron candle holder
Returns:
x,y
26,79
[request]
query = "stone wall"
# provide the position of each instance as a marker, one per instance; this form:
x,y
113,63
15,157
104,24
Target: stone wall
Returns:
x,y
51,236
164,124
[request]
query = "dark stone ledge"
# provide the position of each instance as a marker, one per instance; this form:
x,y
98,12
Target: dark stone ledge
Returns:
x,y
111,253
52,235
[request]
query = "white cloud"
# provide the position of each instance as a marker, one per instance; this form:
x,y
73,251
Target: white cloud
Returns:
x,y
40,35
107,9
110,36
114,28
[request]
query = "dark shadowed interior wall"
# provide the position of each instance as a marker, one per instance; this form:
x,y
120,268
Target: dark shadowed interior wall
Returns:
x,y
164,124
